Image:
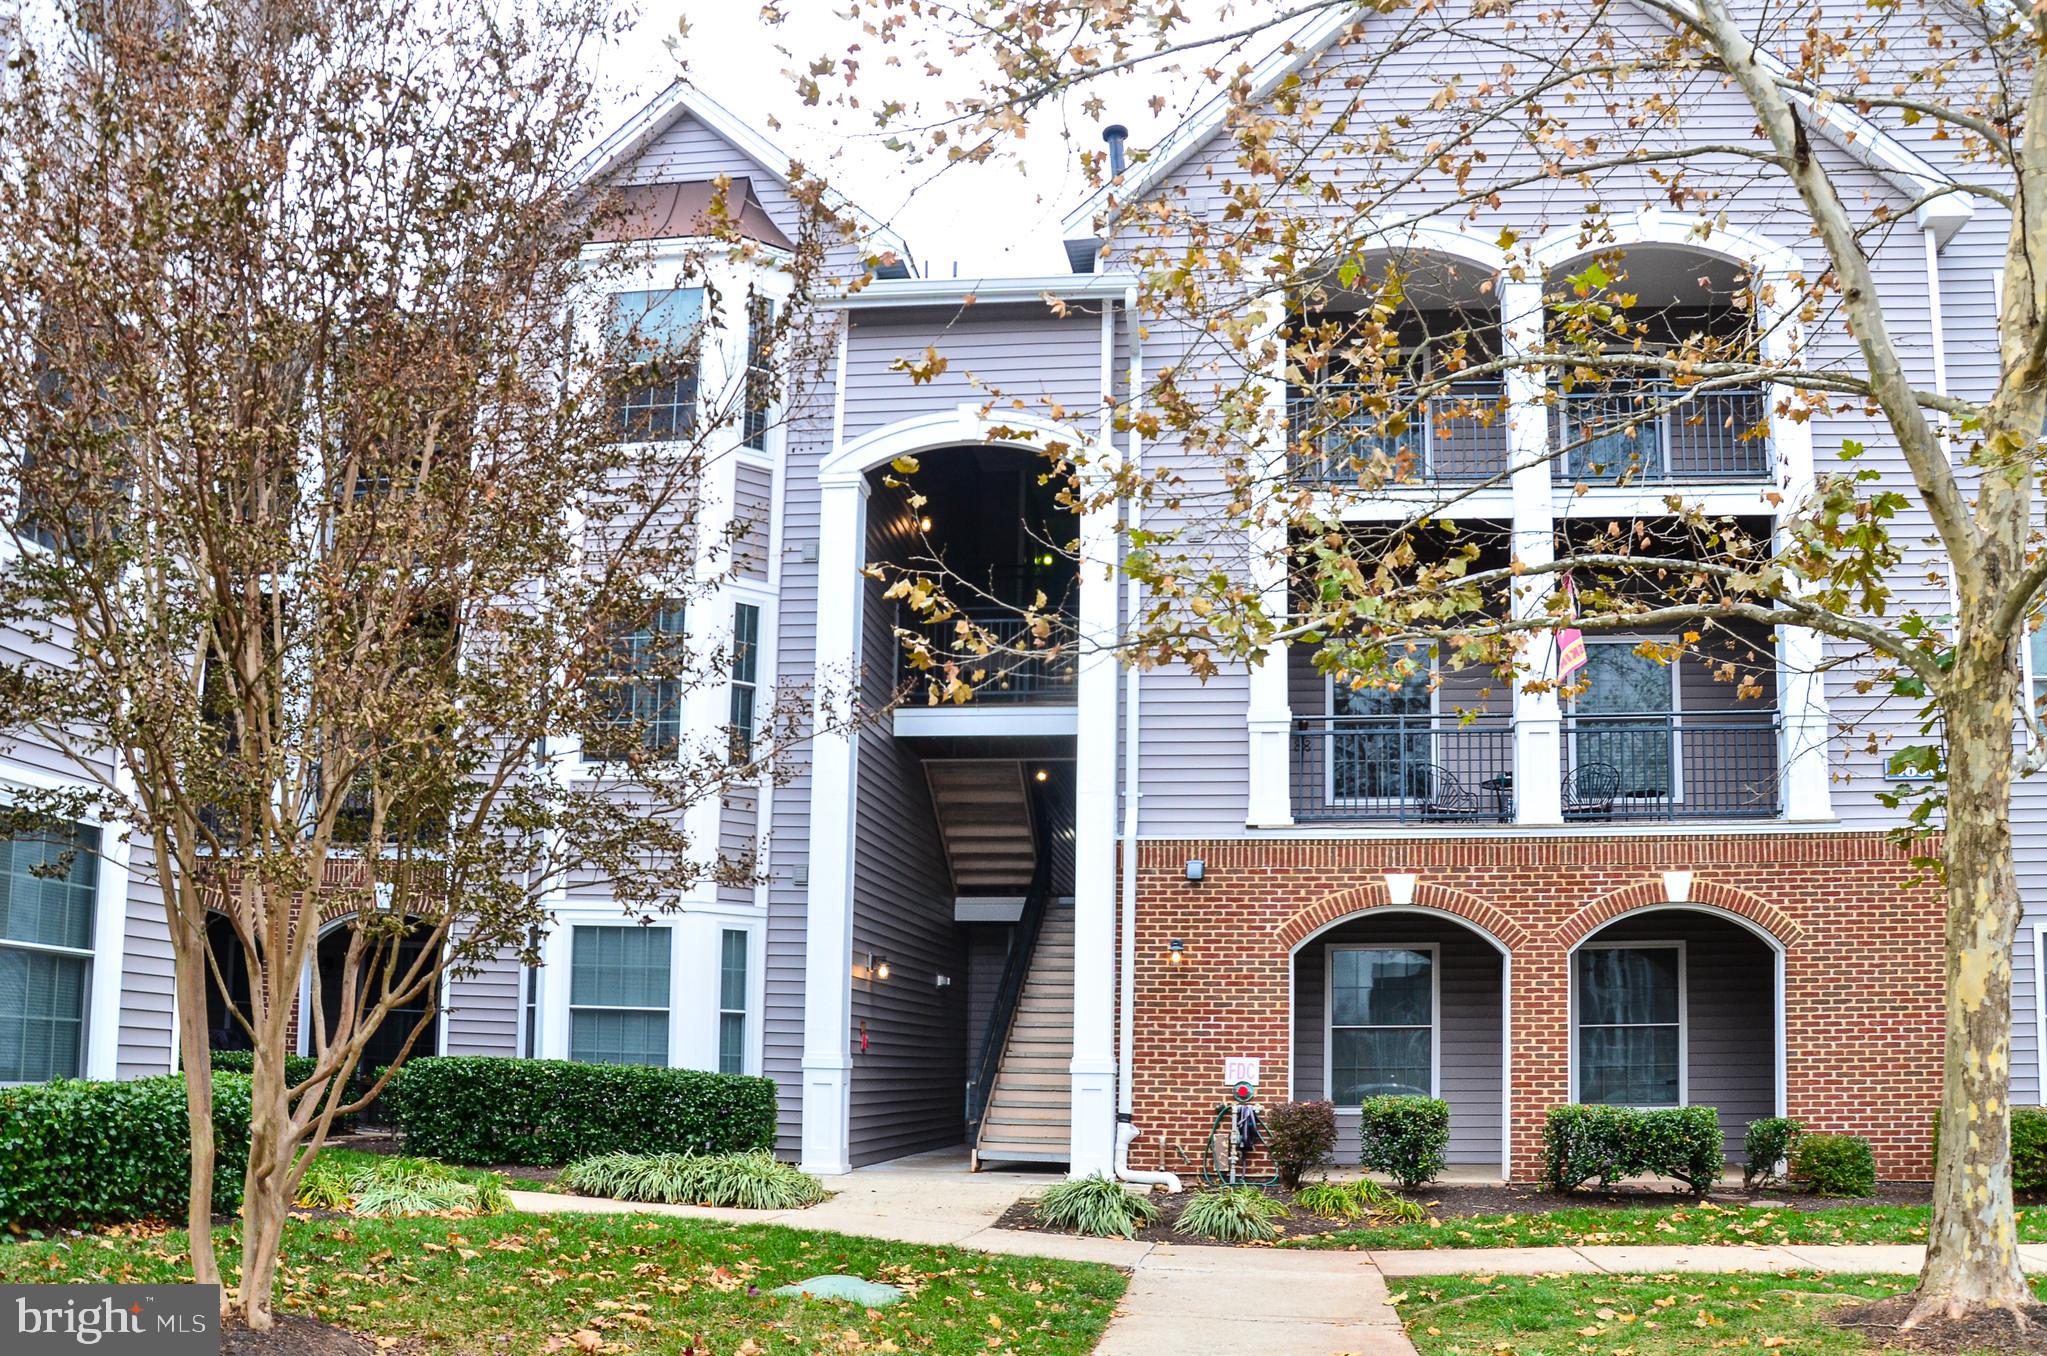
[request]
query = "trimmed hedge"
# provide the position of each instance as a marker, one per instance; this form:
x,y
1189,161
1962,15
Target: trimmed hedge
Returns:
x,y
297,1068
1581,1143
1834,1165
79,1152
483,1110
2028,1148
1405,1138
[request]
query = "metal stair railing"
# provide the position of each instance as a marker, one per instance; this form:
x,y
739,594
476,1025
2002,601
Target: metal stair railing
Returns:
x,y
1015,971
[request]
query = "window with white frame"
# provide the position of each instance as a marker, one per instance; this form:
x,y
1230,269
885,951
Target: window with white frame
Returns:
x,y
760,375
49,889
1630,1017
1379,748
732,986
655,343
746,644
638,695
1382,1022
1625,718
2036,664
618,995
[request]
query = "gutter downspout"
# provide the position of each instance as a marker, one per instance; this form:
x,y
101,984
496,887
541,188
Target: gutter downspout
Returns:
x,y
1126,897
1937,331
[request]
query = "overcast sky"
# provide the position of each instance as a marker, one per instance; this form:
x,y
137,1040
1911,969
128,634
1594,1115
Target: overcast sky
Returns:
x,y
987,220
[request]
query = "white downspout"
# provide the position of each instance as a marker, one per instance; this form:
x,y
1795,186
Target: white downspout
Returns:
x,y
1937,330
1126,898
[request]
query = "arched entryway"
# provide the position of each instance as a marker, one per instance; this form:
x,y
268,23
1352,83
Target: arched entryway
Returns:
x,y
227,986
389,1039
1407,1001
1680,1005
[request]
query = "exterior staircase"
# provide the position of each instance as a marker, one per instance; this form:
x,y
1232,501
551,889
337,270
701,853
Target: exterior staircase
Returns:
x,y
985,818
1029,1110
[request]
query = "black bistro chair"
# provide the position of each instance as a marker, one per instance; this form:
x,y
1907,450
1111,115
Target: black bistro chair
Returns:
x,y
1590,790
1448,797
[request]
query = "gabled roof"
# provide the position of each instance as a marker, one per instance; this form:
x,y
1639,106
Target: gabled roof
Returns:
x,y
681,99
1858,137
658,211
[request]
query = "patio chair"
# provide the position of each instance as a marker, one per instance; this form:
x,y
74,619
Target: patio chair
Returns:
x,y
1590,790
1448,797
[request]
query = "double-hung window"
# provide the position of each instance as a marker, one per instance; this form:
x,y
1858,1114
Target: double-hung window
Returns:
x,y
654,341
746,644
1626,719
760,374
1630,1037
638,695
1379,741
732,1001
49,888
618,995
1382,1022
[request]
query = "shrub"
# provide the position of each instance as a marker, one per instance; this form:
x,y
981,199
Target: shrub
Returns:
x,y
1238,1214
78,1152
399,1186
1834,1165
297,1068
1581,1143
1405,1138
1768,1146
1096,1206
1299,1136
476,1109
750,1181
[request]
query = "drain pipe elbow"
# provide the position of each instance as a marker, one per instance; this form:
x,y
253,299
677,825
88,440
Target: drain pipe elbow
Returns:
x,y
1126,1133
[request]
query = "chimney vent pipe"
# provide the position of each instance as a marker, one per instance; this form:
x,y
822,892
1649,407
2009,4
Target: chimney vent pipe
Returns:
x,y
1115,134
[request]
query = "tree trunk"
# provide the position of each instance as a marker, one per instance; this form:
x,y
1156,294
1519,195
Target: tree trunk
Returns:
x,y
196,1054
1972,1261
266,1184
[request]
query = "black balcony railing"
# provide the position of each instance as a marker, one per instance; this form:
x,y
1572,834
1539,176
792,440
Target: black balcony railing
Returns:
x,y
1000,654
1630,433
1407,769
1671,765
1343,433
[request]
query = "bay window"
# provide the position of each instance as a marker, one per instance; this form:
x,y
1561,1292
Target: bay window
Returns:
x,y
618,995
49,888
1630,1024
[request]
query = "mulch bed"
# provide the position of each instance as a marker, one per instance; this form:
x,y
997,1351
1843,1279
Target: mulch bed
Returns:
x,y
1997,1331
294,1335
1454,1202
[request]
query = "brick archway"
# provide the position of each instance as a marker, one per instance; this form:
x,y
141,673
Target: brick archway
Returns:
x,y
1304,923
1708,894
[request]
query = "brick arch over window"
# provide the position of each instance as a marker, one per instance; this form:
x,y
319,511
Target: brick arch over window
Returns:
x,y
1708,893
1361,899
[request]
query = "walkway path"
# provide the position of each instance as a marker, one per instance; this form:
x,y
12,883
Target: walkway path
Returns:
x,y
1280,1302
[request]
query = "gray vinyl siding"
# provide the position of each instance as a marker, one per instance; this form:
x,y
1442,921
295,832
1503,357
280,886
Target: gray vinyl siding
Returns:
x,y
1730,1014
987,954
1469,1029
908,1085
484,1011
738,841
1023,358
147,1039
752,510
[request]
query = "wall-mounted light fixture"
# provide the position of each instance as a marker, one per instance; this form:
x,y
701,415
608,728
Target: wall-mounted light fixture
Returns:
x,y
878,967
924,523
1176,952
1677,886
1400,886
1042,775
1196,869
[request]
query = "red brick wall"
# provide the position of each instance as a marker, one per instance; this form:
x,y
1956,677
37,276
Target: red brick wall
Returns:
x,y
1862,944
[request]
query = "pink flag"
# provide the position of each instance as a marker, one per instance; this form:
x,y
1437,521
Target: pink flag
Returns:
x,y
1570,640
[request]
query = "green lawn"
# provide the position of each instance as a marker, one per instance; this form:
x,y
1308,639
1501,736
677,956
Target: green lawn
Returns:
x,y
1682,1223
1622,1315
525,1283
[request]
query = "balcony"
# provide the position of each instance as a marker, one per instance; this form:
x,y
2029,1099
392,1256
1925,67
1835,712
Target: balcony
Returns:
x,y
1446,771
1339,434
994,651
1639,433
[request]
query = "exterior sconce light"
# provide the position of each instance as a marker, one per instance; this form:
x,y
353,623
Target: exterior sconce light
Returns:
x,y
1176,952
1677,886
879,967
1196,869
1041,774
1400,886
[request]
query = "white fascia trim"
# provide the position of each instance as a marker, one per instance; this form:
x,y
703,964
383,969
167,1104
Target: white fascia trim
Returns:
x,y
898,292
921,722
1307,42
654,116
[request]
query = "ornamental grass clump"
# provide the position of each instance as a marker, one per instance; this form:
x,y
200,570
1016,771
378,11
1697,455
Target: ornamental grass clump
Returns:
x,y
399,1186
1096,1206
1360,1200
1238,1214
746,1181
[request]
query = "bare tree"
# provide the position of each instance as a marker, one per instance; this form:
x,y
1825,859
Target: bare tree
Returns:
x,y
1315,345
357,504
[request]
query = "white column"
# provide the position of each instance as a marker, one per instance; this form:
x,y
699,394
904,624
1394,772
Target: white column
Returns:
x,y
834,768
1093,1129
1270,714
1538,720
1801,686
